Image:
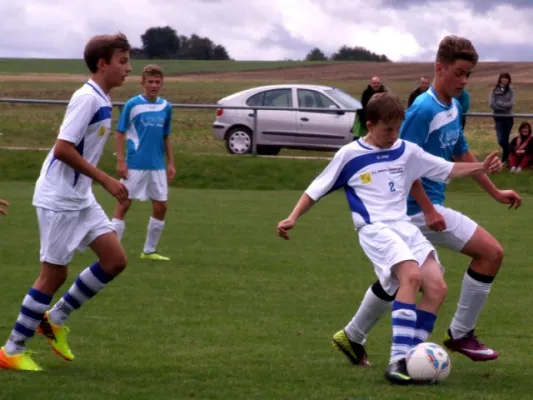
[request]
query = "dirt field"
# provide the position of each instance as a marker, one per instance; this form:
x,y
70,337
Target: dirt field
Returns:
x,y
486,72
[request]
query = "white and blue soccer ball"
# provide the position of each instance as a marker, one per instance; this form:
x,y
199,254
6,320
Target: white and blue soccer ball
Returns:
x,y
428,363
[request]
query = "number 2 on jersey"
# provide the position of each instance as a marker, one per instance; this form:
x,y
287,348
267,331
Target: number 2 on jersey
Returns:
x,y
391,187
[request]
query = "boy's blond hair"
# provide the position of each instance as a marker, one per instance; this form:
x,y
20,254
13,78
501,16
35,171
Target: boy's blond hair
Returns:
x,y
152,70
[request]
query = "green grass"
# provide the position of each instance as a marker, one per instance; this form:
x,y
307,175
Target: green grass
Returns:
x,y
240,314
171,67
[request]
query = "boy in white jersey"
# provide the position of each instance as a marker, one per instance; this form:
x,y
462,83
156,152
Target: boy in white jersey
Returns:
x,y
377,173
69,217
145,125
434,123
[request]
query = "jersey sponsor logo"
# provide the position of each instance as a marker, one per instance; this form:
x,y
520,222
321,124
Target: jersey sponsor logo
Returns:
x,y
366,178
448,138
102,131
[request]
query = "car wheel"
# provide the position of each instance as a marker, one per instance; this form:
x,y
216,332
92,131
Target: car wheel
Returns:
x,y
239,141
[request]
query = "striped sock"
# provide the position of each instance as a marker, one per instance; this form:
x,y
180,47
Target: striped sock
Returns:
x,y
89,282
403,329
425,322
32,311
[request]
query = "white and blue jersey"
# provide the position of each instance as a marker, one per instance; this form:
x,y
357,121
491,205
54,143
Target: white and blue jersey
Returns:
x,y
146,124
87,125
377,181
437,129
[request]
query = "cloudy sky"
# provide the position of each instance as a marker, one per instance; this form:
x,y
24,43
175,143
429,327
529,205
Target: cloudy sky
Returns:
x,y
404,30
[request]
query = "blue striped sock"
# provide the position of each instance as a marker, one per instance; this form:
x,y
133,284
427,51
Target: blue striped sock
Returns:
x,y
425,322
32,311
87,285
403,329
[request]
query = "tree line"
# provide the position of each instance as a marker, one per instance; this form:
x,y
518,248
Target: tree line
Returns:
x,y
165,43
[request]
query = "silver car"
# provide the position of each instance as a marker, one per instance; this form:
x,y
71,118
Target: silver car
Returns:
x,y
323,129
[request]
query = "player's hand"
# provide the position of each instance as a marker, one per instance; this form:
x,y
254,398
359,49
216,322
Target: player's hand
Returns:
x,y
492,163
122,169
284,226
171,172
435,221
4,204
509,197
116,189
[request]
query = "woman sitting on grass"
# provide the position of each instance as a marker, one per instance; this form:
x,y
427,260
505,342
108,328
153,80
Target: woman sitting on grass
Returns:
x,y
521,149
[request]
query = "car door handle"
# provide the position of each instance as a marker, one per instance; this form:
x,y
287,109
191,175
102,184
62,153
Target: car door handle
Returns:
x,y
251,115
304,119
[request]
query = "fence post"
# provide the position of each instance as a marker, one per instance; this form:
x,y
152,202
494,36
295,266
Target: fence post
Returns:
x,y
254,134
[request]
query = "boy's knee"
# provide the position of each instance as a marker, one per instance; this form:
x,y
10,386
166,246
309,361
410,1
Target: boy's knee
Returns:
x,y
436,291
115,263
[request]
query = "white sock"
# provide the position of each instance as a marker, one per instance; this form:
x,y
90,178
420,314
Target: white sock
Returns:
x,y
473,296
366,317
155,228
119,226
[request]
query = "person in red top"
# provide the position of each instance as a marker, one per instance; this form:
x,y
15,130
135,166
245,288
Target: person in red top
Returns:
x,y
521,149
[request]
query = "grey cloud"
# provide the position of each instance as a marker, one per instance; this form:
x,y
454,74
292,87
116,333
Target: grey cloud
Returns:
x,y
280,36
478,6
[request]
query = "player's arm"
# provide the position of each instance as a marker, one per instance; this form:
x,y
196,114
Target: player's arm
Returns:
x,y
509,197
3,203
120,149
77,118
120,141
171,166
328,181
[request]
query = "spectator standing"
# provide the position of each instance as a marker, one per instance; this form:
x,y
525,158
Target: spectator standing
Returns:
x,y
502,99
422,87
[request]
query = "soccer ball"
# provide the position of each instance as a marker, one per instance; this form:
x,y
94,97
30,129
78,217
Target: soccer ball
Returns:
x,y
428,363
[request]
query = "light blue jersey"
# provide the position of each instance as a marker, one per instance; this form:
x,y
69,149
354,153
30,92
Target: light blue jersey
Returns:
x,y
436,128
146,124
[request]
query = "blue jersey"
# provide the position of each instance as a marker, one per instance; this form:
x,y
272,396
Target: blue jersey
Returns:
x,y
146,124
436,128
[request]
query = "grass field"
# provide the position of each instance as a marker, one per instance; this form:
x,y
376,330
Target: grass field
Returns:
x,y
240,314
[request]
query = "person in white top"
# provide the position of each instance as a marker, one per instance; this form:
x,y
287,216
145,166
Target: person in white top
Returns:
x,y
69,217
377,173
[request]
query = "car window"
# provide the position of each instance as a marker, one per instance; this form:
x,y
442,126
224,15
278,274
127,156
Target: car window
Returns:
x,y
278,98
256,100
313,99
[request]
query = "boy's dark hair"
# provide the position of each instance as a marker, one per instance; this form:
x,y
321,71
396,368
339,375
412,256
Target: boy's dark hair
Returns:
x,y
103,46
384,107
453,48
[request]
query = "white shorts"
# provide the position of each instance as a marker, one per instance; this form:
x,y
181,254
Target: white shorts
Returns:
x,y
459,229
63,232
387,244
147,184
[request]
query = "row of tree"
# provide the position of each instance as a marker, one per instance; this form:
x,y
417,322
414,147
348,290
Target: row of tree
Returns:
x,y
346,53
165,43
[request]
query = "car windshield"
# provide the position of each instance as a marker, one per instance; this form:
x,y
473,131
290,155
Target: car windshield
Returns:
x,y
344,98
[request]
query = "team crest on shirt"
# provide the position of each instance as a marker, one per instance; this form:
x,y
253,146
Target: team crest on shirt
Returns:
x,y
102,131
449,138
366,178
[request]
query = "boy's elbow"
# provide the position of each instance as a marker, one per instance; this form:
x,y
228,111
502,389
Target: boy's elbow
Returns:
x,y
61,150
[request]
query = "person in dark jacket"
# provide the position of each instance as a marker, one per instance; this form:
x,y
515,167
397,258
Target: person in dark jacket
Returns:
x,y
502,99
422,87
374,87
